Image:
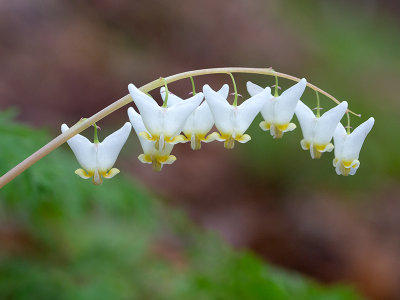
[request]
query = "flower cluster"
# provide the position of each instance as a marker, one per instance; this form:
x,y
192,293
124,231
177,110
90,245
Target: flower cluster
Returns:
x,y
160,128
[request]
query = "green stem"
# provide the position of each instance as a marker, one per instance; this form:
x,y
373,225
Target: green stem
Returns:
x,y
193,86
80,126
276,86
235,89
166,93
96,139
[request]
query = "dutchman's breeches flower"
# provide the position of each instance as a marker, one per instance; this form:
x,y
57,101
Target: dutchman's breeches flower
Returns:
x,y
163,124
151,154
318,131
232,121
279,110
348,146
199,122
97,159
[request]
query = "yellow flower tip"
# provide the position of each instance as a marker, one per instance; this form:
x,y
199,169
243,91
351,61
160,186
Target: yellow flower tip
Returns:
x,y
215,136
111,173
82,173
305,145
346,168
177,139
243,138
265,126
145,158
316,150
277,130
170,160
147,136
159,161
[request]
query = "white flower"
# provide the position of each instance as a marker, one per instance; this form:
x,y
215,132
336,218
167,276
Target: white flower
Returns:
x,y
151,154
318,131
348,146
163,124
97,159
278,111
232,121
200,121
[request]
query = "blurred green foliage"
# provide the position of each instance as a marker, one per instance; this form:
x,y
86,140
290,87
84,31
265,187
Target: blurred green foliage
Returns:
x,y
73,240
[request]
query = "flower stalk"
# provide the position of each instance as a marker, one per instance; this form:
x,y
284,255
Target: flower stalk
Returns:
x,y
80,126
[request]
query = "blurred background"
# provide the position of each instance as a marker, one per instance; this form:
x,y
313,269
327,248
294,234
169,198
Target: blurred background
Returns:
x,y
262,221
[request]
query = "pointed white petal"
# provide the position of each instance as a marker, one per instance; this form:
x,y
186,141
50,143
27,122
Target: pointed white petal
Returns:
x,y
172,98
249,109
306,118
84,150
149,110
268,110
221,110
176,116
356,139
109,149
224,91
138,126
328,122
286,103
339,138
202,119
253,89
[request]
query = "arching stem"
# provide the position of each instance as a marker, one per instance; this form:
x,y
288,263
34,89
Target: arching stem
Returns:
x,y
80,126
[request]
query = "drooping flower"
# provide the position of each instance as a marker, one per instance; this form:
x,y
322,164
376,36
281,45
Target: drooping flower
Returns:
x,y
232,121
163,124
97,159
318,131
151,154
199,122
279,110
348,146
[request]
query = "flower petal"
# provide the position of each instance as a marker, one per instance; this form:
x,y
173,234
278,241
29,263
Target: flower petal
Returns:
x,y
339,137
356,139
109,149
146,159
138,126
306,118
253,89
151,112
84,150
111,173
201,120
249,109
244,138
286,103
172,98
328,122
82,173
212,137
224,91
221,110
176,115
